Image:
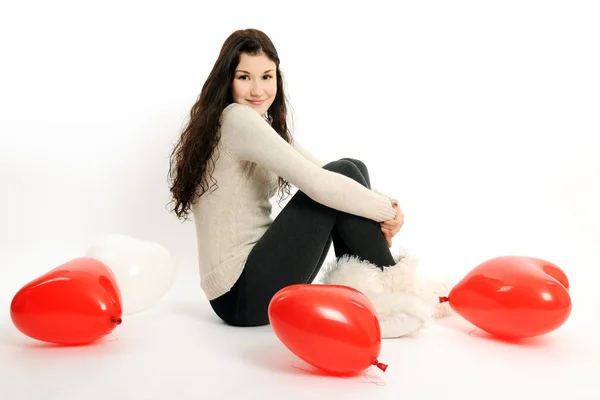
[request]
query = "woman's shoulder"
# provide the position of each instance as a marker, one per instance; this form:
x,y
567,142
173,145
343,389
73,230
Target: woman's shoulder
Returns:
x,y
237,110
230,107
240,118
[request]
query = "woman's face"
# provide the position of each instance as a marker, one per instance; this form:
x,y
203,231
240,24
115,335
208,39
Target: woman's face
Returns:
x,y
255,82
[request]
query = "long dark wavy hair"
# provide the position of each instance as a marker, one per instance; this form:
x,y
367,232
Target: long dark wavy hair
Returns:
x,y
191,161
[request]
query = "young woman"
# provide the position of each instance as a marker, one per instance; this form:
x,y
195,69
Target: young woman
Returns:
x,y
233,155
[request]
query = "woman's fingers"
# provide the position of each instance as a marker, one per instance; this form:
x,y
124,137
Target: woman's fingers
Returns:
x,y
391,224
389,232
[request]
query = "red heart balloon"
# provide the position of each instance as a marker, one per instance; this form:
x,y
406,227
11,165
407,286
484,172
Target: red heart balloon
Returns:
x,y
513,297
75,303
332,327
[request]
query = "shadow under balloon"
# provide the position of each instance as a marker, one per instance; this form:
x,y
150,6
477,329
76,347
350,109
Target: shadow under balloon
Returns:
x,y
276,358
12,338
457,324
273,358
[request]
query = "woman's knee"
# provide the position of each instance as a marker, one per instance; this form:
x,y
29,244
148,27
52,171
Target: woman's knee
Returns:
x,y
344,167
362,168
348,169
361,165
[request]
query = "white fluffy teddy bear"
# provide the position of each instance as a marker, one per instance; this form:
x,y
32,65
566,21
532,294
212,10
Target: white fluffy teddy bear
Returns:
x,y
404,301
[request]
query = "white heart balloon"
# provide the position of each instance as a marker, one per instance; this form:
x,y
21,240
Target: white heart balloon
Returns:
x,y
144,270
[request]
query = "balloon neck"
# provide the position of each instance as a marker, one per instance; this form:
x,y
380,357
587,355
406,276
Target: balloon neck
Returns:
x,y
379,365
443,299
117,320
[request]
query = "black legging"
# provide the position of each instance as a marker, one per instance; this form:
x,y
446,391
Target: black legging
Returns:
x,y
294,247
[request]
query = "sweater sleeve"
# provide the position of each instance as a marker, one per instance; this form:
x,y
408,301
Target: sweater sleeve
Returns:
x,y
315,160
248,137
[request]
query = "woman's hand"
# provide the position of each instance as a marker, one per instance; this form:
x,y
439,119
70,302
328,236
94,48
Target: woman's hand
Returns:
x,y
392,226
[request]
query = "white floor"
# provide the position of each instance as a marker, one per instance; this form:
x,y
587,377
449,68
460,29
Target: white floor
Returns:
x,y
179,350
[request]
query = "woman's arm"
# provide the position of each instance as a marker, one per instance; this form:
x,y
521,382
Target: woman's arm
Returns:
x,y
247,136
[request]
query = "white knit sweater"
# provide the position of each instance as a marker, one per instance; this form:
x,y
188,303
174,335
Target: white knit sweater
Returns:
x,y
231,219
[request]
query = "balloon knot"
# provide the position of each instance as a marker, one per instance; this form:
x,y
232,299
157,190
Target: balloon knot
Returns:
x,y
443,299
117,320
379,365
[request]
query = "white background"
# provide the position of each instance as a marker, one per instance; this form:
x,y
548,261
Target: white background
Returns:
x,y
482,117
